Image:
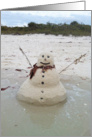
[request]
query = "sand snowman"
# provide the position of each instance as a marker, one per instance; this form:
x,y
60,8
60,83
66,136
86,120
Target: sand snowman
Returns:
x,y
43,87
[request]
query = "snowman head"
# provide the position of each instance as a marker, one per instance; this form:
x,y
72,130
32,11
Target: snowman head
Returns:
x,y
45,59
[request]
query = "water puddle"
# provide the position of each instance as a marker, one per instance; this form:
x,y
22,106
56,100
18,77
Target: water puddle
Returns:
x,y
69,118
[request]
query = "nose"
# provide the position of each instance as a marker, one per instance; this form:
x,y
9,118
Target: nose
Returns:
x,y
45,59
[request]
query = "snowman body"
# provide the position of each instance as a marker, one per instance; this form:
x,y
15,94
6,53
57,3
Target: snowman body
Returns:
x,y
44,88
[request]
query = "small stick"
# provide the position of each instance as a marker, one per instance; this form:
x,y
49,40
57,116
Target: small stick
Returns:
x,y
74,62
25,56
21,70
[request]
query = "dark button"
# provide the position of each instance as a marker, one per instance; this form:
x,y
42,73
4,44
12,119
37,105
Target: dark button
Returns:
x,y
42,75
42,91
42,82
43,71
41,98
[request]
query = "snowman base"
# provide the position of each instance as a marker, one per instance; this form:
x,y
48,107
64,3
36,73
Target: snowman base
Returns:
x,y
41,96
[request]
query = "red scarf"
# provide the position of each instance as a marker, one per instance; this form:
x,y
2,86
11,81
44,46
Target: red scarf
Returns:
x,y
35,67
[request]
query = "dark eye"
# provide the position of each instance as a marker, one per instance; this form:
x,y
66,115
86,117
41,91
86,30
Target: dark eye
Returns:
x,y
43,56
48,56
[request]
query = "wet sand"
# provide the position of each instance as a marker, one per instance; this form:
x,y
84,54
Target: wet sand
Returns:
x,y
70,118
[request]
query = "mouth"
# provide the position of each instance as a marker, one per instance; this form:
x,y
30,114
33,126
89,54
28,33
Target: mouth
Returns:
x,y
44,63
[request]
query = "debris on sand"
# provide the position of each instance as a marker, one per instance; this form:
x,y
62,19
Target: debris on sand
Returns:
x,y
18,69
2,89
21,70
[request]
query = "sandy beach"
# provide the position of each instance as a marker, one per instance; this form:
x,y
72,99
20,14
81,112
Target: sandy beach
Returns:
x,y
65,50
70,118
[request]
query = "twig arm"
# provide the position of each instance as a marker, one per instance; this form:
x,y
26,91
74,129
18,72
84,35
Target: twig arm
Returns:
x,y
74,62
25,55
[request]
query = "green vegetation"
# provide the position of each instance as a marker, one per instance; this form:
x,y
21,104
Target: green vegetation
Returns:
x,y
74,28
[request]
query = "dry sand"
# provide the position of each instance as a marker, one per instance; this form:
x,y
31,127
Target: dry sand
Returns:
x,y
65,50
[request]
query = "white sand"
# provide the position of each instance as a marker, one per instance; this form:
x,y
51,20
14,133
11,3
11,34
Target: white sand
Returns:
x,y
65,50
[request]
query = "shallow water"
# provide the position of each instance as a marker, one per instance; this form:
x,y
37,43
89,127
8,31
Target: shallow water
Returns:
x,y
69,118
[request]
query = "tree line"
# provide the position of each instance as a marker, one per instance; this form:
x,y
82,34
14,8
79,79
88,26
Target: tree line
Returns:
x,y
74,28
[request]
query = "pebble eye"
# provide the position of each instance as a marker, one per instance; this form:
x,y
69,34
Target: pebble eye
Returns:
x,y
42,56
48,56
